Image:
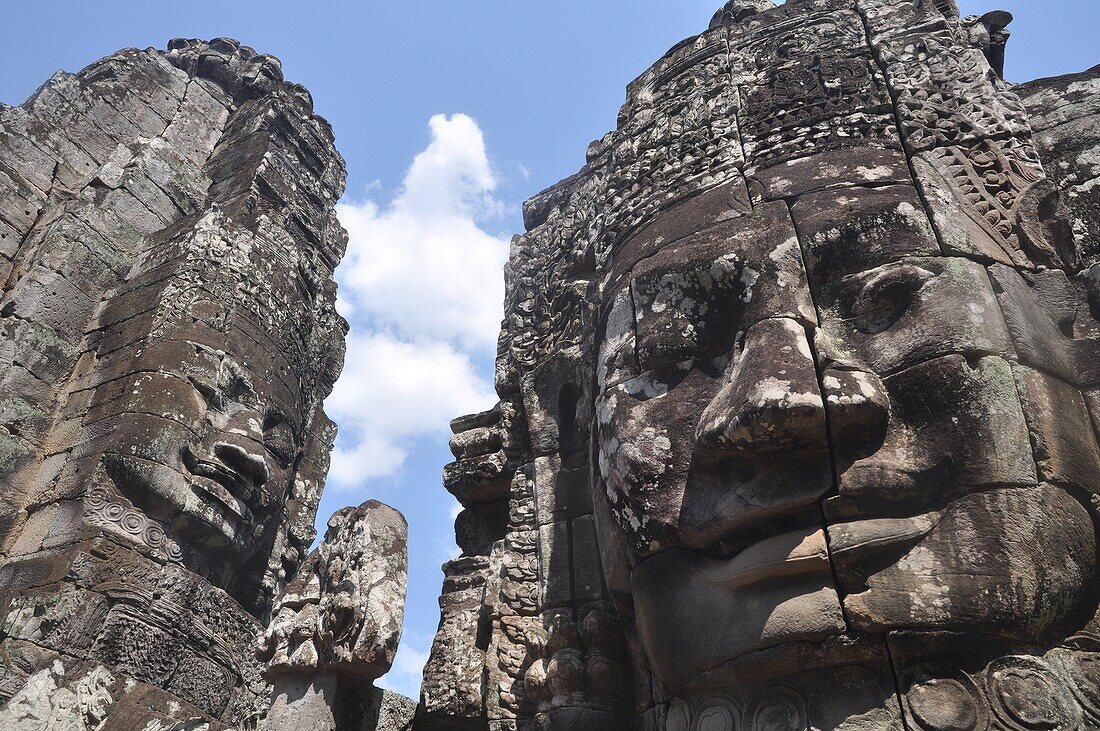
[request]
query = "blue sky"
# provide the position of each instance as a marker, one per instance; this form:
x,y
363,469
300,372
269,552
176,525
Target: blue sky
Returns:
x,y
449,114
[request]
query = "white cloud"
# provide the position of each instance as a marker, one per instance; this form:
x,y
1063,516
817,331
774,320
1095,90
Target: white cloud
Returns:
x,y
393,391
422,286
408,664
422,264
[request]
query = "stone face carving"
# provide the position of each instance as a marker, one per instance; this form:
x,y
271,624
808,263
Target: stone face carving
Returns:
x,y
336,626
798,399
46,705
167,335
343,610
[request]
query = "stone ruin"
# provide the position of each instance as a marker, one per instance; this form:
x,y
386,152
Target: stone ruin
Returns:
x,y
799,385
799,388
336,626
167,336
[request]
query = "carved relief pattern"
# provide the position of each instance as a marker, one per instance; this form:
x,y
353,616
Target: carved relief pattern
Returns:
x,y
809,83
118,517
952,105
1014,693
516,609
677,135
344,609
991,177
548,279
946,92
47,703
776,708
577,664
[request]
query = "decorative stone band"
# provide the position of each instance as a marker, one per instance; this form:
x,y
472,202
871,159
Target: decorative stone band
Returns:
x,y
1018,693
103,510
1058,692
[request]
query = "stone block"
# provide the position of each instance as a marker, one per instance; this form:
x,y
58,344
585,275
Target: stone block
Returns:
x,y
555,566
587,576
560,493
849,230
1061,430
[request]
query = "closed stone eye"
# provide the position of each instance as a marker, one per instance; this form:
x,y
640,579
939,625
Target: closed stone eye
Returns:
x,y
278,439
884,299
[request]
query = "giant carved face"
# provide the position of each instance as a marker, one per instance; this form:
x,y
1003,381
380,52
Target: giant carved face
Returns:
x,y
812,423
209,400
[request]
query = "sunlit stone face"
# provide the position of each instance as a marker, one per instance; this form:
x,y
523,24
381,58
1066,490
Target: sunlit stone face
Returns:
x,y
792,423
216,464
211,393
701,438
941,522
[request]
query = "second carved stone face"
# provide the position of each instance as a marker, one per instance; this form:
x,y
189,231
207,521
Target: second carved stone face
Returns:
x,y
208,441
217,467
809,425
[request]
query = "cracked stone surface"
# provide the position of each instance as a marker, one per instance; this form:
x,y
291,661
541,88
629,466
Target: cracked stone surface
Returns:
x,y
167,336
798,399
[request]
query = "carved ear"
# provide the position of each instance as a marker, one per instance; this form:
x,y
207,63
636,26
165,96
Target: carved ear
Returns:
x,y
1045,231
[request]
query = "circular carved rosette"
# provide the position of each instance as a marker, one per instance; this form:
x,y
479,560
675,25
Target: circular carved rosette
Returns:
x,y
945,699
174,551
777,709
679,716
1083,669
113,512
97,498
1026,695
717,714
132,522
153,535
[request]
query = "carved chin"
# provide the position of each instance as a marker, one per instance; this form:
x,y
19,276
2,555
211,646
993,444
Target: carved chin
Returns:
x,y
696,613
1023,575
185,509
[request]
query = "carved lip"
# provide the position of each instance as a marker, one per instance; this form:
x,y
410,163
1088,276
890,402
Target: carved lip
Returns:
x,y
801,551
217,483
217,471
215,493
857,546
863,547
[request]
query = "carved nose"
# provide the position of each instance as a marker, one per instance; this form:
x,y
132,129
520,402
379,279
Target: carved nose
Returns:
x,y
770,399
859,411
245,463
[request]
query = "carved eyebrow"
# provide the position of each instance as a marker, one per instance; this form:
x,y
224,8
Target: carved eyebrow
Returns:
x,y
274,416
